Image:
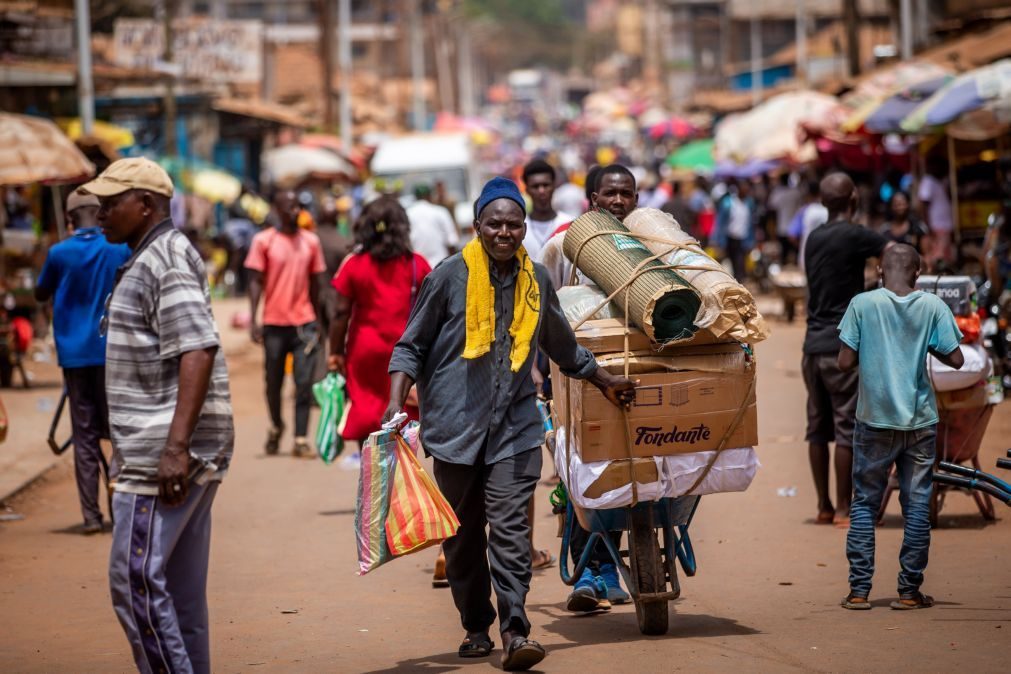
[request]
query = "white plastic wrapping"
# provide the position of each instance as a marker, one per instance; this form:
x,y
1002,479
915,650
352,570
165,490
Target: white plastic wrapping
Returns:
x,y
579,300
733,471
976,368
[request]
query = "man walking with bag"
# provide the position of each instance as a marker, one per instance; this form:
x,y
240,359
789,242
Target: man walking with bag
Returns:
x,y
286,265
470,345
170,413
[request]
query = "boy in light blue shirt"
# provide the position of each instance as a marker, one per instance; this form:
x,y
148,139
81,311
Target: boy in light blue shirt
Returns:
x,y
888,333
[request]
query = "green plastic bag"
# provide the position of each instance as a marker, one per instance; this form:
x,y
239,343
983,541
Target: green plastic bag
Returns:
x,y
333,414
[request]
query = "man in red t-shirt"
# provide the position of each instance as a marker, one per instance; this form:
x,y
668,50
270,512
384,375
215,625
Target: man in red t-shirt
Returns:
x,y
286,266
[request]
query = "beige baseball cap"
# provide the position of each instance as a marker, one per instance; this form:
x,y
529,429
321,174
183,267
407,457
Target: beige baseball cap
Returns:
x,y
135,173
80,199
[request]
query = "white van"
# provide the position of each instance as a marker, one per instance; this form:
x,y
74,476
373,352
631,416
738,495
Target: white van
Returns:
x,y
428,158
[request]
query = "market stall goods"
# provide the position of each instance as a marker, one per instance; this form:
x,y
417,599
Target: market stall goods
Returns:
x,y
584,301
728,308
654,296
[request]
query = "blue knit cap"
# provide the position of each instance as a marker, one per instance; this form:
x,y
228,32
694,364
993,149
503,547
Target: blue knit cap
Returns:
x,y
499,188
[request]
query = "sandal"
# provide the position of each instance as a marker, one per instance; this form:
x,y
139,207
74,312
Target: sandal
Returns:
x,y
855,602
546,562
521,654
912,601
825,517
476,645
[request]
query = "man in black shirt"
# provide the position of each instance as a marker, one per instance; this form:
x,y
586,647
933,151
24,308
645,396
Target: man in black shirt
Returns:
x,y
834,257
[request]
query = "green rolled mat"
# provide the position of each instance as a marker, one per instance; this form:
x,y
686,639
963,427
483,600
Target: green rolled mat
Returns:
x,y
660,302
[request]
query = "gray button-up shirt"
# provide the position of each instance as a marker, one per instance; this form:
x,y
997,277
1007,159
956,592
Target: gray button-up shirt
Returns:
x,y
466,401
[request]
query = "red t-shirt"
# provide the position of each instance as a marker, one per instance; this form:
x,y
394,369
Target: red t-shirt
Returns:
x,y
287,262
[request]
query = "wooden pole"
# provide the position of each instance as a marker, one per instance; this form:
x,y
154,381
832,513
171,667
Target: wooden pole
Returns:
x,y
953,188
325,9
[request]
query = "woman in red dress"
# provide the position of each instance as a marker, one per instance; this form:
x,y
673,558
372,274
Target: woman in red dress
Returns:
x,y
376,286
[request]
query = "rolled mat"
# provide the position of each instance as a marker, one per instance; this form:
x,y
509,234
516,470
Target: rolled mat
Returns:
x,y
659,301
728,309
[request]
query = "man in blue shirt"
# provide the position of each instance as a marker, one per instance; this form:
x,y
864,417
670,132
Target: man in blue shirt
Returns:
x,y
78,275
888,333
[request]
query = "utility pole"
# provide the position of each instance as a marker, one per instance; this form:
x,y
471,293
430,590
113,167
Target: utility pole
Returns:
x,y
344,58
169,101
801,41
906,28
465,71
418,65
851,20
325,9
85,83
756,58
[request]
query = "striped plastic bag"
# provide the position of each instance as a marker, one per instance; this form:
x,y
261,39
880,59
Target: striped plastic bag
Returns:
x,y
378,464
419,514
333,414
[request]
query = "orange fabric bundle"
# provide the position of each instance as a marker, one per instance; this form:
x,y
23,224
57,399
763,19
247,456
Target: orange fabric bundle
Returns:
x,y
419,514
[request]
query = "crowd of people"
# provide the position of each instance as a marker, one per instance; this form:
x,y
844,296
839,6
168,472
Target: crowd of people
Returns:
x,y
422,319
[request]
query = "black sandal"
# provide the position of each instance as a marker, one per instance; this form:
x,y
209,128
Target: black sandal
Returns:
x,y
521,654
476,645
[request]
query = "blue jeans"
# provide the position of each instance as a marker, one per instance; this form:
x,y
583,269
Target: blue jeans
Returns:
x,y
874,452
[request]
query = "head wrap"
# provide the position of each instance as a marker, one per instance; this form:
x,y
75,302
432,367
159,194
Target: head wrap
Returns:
x,y
499,188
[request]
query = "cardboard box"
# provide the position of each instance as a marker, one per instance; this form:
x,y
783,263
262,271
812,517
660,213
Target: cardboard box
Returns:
x,y
673,413
617,475
607,335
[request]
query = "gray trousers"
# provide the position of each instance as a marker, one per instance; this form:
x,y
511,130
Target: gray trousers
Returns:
x,y
89,421
158,578
495,496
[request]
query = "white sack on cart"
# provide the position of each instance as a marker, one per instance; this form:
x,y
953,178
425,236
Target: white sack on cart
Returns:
x,y
976,368
733,471
578,477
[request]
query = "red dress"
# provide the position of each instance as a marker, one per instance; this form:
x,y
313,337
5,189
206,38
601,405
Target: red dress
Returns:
x,y
380,294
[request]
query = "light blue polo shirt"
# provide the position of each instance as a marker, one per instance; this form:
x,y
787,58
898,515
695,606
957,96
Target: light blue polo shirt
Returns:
x,y
892,334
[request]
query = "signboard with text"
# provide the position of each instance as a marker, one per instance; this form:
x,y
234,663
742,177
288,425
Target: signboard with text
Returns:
x,y
203,49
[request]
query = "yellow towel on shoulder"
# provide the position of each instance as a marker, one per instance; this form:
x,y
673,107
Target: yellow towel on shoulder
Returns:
x,y
481,306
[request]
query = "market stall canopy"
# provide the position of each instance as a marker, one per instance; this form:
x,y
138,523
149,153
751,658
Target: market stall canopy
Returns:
x,y
873,90
34,150
775,129
887,116
969,91
117,137
334,144
673,127
695,156
291,164
203,179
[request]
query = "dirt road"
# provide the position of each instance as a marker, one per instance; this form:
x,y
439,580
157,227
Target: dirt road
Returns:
x,y
285,598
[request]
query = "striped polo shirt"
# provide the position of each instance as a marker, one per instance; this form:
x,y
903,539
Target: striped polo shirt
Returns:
x,y
160,309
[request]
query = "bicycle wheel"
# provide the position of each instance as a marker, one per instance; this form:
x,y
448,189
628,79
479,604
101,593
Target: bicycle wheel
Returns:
x,y
647,569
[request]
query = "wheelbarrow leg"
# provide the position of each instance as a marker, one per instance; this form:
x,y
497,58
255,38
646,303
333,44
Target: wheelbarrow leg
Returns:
x,y
983,500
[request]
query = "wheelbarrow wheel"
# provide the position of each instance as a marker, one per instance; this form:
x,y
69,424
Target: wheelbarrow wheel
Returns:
x,y
648,572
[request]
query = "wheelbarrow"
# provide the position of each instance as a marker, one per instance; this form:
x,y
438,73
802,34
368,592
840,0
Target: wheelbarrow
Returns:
x,y
959,437
954,476
650,573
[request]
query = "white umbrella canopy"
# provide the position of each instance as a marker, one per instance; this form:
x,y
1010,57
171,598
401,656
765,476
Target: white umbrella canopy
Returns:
x,y
34,150
290,164
774,129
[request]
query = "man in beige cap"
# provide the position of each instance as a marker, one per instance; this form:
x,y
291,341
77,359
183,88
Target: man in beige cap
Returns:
x,y
170,413
78,275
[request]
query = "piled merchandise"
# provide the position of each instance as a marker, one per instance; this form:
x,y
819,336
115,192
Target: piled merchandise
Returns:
x,y
694,422
965,397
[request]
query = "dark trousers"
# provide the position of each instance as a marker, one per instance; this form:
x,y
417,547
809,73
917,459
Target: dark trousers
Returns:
x,y
303,343
737,251
495,496
89,420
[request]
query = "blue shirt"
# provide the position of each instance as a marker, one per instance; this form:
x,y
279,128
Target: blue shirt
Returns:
x,y
891,334
80,273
